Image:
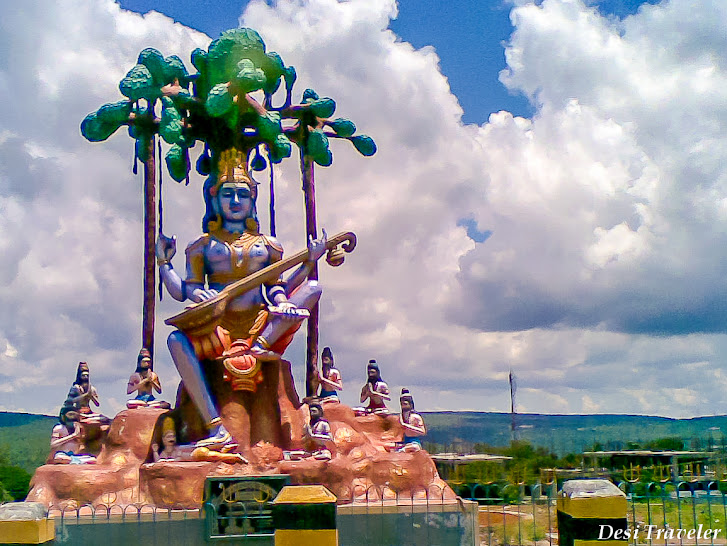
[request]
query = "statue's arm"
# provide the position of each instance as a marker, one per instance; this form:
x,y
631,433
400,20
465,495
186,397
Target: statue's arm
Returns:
x,y
93,395
316,249
133,384
166,248
75,395
172,281
193,287
322,431
365,391
334,381
58,439
382,389
415,424
156,383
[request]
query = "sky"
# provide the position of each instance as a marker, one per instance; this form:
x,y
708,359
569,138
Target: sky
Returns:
x,y
549,196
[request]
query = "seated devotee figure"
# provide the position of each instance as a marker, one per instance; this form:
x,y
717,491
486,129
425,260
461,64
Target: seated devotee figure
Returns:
x,y
170,451
375,390
412,423
257,325
144,382
67,440
81,395
317,434
329,378
317,437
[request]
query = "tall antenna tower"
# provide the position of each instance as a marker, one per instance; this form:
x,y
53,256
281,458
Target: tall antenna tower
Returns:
x,y
513,411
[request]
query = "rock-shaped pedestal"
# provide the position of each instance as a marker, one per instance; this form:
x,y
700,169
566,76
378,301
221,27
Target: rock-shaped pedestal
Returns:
x,y
264,424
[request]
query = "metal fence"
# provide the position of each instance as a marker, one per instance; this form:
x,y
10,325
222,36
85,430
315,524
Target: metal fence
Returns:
x,y
660,511
664,512
378,515
111,525
372,516
495,513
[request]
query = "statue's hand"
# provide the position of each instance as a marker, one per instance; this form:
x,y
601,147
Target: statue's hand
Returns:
x,y
201,294
289,311
317,247
166,248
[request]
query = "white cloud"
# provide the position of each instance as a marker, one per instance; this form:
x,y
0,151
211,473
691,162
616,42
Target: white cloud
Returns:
x,y
589,406
606,208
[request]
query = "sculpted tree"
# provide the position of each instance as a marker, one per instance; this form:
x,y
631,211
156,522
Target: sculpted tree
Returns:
x,y
228,103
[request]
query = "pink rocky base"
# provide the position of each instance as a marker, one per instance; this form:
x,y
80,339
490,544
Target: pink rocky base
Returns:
x,y
361,469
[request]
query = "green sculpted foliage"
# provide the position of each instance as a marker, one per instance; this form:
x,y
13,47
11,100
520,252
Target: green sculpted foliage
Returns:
x,y
115,113
102,124
227,103
249,78
95,129
219,100
364,144
342,127
171,125
138,84
317,148
323,108
177,162
229,49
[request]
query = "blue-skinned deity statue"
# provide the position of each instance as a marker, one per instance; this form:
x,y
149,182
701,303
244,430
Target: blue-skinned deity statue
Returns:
x,y
257,324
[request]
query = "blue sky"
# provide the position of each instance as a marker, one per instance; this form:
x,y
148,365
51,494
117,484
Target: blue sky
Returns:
x,y
468,36
549,195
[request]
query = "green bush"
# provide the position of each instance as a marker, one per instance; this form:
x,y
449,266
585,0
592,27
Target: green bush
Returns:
x,y
14,481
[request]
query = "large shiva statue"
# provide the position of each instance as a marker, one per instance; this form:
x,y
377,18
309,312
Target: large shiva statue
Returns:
x,y
256,325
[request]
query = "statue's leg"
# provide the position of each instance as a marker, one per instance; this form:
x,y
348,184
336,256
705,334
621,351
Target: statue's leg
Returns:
x,y
278,326
304,297
190,369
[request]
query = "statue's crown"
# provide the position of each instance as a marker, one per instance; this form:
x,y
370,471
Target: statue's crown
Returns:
x,y
232,167
168,425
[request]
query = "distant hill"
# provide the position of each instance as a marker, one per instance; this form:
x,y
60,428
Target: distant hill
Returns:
x,y
8,419
24,438
570,433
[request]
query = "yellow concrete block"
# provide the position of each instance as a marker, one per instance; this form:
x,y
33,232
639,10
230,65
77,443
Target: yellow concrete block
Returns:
x,y
596,507
35,531
592,499
304,494
306,537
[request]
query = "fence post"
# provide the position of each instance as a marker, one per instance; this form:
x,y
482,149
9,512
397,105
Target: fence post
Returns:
x,y
592,512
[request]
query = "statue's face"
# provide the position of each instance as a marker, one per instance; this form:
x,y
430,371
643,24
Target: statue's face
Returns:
x,y
405,405
235,201
84,376
327,361
373,373
169,439
145,365
315,413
